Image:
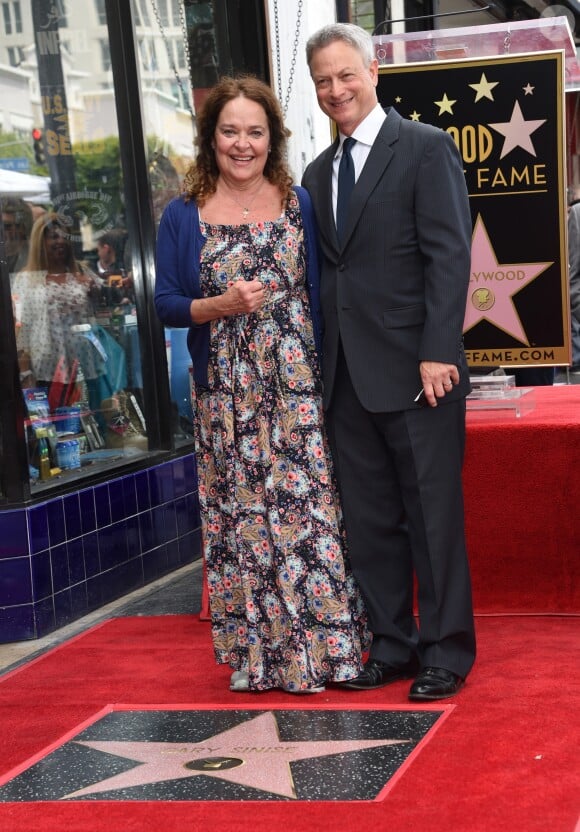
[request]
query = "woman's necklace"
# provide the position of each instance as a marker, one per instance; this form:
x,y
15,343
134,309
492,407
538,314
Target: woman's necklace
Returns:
x,y
248,206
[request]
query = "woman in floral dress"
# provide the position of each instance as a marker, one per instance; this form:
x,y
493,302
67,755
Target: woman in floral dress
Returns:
x,y
236,263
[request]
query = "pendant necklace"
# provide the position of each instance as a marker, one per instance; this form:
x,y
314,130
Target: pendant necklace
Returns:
x,y
248,207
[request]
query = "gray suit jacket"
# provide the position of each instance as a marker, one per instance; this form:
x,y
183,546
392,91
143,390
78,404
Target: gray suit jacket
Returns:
x,y
574,259
394,293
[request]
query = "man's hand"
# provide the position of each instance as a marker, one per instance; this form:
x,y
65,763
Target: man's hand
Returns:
x,y
438,380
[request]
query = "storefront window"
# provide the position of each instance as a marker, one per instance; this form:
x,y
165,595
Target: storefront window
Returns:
x,y
67,249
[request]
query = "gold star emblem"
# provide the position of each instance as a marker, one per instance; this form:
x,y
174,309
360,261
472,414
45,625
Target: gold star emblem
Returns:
x,y
445,105
483,88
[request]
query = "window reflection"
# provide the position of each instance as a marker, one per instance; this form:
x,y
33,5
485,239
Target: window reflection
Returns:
x,y
17,219
82,349
69,255
73,336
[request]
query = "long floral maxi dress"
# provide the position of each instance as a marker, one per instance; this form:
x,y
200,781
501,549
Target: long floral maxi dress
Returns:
x,y
282,606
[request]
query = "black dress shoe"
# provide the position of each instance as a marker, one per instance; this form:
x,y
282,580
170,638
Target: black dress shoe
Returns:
x,y
435,683
377,674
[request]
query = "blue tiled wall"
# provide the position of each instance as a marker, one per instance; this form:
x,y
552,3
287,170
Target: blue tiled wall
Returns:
x,y
70,555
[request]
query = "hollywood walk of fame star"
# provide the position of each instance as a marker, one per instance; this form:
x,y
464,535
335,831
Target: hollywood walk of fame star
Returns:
x,y
493,286
483,88
250,754
445,105
517,131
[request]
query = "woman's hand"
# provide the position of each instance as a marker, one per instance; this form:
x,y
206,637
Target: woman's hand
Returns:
x,y
243,296
240,298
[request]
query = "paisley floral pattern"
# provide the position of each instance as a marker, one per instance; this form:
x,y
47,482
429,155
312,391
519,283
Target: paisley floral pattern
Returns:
x,y
284,606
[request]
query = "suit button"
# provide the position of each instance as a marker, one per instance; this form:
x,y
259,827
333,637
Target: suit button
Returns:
x,y
341,267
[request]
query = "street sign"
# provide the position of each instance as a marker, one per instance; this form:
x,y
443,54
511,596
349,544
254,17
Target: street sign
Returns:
x,y
21,165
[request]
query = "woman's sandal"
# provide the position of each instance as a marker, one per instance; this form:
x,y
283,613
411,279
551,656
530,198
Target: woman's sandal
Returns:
x,y
240,681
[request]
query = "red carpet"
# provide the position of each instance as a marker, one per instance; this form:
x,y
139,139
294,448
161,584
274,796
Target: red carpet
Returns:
x,y
522,505
506,758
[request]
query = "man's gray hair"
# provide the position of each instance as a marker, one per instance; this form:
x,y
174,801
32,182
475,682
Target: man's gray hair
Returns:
x,y
356,37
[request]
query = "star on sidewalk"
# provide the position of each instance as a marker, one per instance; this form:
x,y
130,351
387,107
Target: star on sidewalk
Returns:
x,y
517,131
250,754
493,286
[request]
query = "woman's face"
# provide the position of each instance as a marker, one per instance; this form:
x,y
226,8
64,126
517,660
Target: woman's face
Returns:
x,y
57,246
242,140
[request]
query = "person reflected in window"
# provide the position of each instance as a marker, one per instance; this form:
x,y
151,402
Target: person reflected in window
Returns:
x,y
17,223
237,265
117,282
54,295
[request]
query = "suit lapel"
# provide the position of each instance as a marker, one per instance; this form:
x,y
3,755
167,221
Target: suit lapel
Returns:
x,y
322,195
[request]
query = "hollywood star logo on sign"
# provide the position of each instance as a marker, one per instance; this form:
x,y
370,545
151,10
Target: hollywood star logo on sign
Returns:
x,y
493,286
505,116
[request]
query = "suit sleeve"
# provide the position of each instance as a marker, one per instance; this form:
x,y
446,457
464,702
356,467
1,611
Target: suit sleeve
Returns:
x,y
574,259
312,263
444,230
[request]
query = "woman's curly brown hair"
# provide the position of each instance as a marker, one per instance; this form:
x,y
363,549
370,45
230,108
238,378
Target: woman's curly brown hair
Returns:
x,y
200,180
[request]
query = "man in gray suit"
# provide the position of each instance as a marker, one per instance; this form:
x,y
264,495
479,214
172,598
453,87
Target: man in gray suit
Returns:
x,y
394,285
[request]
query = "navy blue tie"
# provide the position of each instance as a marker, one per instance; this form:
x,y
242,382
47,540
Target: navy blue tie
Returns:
x,y
345,185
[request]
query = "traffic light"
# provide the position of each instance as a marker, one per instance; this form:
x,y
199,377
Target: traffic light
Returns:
x,y
38,146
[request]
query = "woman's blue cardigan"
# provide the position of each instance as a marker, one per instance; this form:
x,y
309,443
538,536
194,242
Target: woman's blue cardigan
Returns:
x,y
179,244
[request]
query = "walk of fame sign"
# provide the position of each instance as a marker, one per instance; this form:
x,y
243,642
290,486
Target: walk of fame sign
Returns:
x,y
506,115
140,753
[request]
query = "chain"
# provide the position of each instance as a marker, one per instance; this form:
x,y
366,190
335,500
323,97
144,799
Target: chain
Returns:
x,y
183,23
294,55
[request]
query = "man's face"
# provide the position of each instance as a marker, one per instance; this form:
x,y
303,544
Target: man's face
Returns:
x,y
345,87
14,235
105,253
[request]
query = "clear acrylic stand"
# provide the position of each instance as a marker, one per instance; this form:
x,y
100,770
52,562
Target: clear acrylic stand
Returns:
x,y
543,34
